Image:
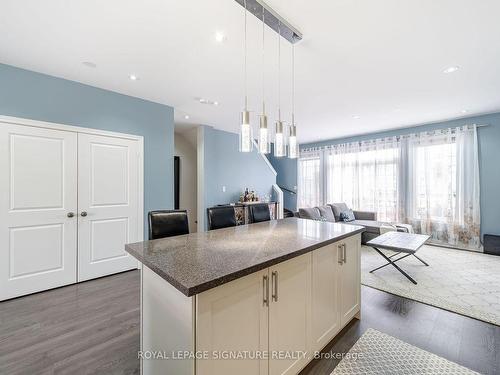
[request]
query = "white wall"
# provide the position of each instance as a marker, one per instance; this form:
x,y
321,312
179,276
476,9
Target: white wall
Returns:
x,y
185,144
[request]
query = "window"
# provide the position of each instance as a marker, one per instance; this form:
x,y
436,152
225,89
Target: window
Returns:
x,y
365,180
435,182
309,192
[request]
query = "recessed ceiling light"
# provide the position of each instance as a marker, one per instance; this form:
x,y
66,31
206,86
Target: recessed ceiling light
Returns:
x,y
89,64
464,111
186,117
133,77
356,117
220,37
207,101
451,69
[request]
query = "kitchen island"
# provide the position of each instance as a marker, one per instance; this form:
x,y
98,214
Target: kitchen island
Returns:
x,y
253,299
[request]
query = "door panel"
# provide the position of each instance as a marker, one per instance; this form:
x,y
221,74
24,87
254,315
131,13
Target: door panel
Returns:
x,y
290,314
23,260
38,181
109,174
104,246
325,295
233,317
350,280
108,184
36,161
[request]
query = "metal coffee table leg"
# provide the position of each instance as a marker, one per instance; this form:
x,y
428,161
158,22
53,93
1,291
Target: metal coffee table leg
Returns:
x,y
390,257
389,260
420,260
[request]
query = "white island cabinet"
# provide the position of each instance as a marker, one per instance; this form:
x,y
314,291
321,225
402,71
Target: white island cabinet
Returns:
x,y
270,321
336,289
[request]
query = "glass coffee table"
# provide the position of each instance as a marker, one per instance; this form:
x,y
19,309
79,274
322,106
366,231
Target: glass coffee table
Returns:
x,y
401,243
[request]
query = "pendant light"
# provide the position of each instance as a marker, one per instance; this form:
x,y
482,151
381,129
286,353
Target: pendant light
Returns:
x,y
279,137
245,128
264,144
293,146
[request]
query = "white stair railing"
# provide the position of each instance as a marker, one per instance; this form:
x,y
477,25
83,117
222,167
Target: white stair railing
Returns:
x,y
276,189
279,195
264,157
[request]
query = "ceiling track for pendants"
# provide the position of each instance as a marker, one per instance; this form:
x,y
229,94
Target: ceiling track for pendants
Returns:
x,y
272,19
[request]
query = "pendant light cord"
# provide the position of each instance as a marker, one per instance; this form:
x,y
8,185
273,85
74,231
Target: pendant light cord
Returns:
x,y
293,84
245,59
279,71
263,59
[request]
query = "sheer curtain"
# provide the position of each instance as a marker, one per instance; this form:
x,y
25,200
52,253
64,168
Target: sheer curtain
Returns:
x,y
364,175
443,186
309,175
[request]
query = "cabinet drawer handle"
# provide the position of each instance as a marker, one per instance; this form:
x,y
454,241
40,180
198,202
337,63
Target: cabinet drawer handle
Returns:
x,y
340,255
274,281
265,290
344,253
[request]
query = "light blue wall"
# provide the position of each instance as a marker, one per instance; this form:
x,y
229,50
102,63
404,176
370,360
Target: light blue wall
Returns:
x,y
489,159
287,178
41,97
225,166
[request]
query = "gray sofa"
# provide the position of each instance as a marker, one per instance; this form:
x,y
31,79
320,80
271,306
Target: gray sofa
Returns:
x,y
331,212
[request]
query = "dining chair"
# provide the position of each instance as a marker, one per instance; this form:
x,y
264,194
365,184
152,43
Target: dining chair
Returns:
x,y
221,217
259,212
167,223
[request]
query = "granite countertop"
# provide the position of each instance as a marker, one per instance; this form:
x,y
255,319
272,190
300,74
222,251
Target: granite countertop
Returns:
x,y
197,262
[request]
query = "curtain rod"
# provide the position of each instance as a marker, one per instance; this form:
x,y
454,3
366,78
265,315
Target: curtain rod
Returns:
x,y
397,137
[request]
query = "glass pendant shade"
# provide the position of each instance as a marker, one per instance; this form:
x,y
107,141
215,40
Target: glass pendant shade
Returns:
x,y
279,140
293,146
264,144
245,133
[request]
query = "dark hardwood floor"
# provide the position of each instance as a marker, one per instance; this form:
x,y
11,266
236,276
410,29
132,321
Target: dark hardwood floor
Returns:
x,y
463,340
86,328
93,328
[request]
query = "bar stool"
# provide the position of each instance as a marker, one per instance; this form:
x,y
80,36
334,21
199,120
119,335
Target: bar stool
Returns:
x,y
259,212
221,217
167,223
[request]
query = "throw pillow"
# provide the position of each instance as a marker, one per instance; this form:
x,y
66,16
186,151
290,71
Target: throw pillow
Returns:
x,y
347,216
326,213
338,208
309,213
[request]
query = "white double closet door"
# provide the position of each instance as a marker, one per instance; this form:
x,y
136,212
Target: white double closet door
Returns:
x,y
69,203
108,186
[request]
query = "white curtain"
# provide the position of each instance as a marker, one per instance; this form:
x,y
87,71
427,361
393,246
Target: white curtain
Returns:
x,y
364,175
309,174
429,180
443,186
467,216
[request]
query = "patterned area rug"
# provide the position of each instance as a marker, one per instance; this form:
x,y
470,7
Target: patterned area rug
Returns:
x,y
460,281
378,353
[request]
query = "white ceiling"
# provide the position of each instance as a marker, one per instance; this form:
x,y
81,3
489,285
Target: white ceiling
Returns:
x,y
380,60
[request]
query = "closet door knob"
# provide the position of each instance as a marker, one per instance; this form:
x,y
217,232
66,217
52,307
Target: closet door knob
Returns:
x,y
70,214
83,213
